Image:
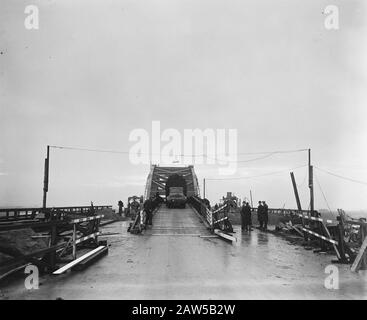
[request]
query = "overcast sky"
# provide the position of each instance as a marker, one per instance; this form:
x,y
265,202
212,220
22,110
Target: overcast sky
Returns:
x,y
96,70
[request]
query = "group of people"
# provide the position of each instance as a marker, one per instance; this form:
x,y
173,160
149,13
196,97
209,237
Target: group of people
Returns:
x,y
262,216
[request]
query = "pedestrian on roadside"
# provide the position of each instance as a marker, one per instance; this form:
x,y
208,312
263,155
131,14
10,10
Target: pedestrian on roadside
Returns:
x,y
265,215
246,216
242,213
248,220
148,212
121,207
260,212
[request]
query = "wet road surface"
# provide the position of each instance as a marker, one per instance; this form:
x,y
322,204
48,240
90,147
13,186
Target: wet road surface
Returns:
x,y
178,258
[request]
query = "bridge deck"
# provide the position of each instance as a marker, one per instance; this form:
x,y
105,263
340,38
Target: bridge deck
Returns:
x,y
176,222
172,262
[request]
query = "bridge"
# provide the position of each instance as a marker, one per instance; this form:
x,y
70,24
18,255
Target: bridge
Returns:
x,y
189,253
158,176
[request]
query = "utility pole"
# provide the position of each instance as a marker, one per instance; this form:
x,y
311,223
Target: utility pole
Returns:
x,y
310,182
296,191
204,187
45,178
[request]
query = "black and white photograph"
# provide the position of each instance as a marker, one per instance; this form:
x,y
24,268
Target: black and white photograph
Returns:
x,y
164,151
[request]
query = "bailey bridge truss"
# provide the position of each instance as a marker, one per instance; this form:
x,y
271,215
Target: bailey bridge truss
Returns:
x,y
158,176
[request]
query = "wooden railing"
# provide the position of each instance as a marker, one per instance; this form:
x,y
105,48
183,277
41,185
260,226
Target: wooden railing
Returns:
x,y
15,214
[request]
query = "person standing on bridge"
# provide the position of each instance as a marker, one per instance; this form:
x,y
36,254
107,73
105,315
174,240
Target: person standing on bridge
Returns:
x,y
246,216
265,216
158,198
260,211
121,207
148,212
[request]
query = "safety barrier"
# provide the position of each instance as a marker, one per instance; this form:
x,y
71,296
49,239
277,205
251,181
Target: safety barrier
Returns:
x,y
320,236
217,220
54,231
313,226
349,245
92,233
354,235
202,209
316,219
312,223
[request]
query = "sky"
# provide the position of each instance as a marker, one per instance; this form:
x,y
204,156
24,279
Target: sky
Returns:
x,y
96,70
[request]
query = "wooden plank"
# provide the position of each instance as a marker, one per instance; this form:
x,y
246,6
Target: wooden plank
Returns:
x,y
296,229
220,220
87,219
225,235
90,236
86,262
358,259
334,245
320,236
75,262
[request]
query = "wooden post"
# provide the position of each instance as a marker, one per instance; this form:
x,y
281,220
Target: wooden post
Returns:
x,y
299,207
45,179
310,183
53,238
74,241
296,192
363,263
327,234
322,232
341,248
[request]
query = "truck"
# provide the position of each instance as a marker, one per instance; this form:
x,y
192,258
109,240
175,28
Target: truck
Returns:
x,y
176,198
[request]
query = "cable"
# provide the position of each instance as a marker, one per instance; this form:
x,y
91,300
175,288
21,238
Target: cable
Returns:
x,y
303,182
241,161
341,177
266,153
273,152
261,175
323,194
91,150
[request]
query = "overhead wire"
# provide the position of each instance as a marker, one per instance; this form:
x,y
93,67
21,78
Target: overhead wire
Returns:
x,y
323,194
266,154
341,177
256,176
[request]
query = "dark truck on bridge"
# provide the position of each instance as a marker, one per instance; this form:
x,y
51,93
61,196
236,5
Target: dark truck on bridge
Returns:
x,y
176,198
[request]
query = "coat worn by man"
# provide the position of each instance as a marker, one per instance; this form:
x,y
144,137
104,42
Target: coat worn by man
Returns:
x,y
148,211
260,213
265,214
246,216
